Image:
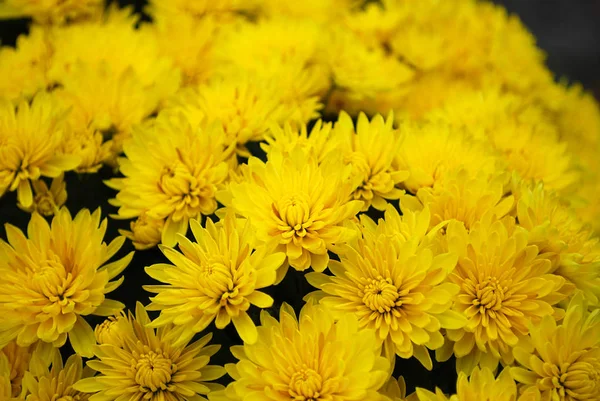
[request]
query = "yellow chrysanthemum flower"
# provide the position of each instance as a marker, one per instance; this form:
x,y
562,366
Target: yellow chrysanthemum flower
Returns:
x,y
51,11
320,142
578,118
47,201
220,274
23,68
296,203
370,149
523,134
463,197
189,42
152,365
286,52
113,330
14,362
561,237
395,285
504,287
55,383
118,46
145,232
30,138
432,150
55,277
562,361
480,386
172,171
311,358
89,145
102,104
244,106
364,72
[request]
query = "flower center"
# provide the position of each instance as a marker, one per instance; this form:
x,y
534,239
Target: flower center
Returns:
x,y
381,295
53,282
175,180
579,380
293,213
153,371
489,294
305,385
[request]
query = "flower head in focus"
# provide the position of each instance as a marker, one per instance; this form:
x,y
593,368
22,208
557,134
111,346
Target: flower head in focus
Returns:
x,y
221,274
47,201
172,171
152,364
504,287
56,277
396,286
30,139
308,358
370,149
296,203
562,361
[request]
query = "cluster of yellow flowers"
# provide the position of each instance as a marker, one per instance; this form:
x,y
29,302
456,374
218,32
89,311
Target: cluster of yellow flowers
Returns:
x,y
419,157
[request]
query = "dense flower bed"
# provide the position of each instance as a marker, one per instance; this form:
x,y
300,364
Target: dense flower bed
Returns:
x,y
329,200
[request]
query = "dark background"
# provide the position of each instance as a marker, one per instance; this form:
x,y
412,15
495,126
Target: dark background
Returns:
x,y
569,32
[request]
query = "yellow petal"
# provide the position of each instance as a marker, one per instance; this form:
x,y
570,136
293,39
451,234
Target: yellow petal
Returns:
x,y
245,328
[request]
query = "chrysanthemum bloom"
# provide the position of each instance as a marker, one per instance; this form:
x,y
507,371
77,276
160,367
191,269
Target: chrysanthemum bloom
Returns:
x,y
523,133
298,204
315,357
47,201
55,277
172,171
463,197
394,285
113,330
49,11
88,143
217,277
320,142
480,386
370,149
152,365
43,384
288,53
244,106
145,232
14,361
23,67
562,238
363,72
562,361
30,137
432,150
504,287
189,42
